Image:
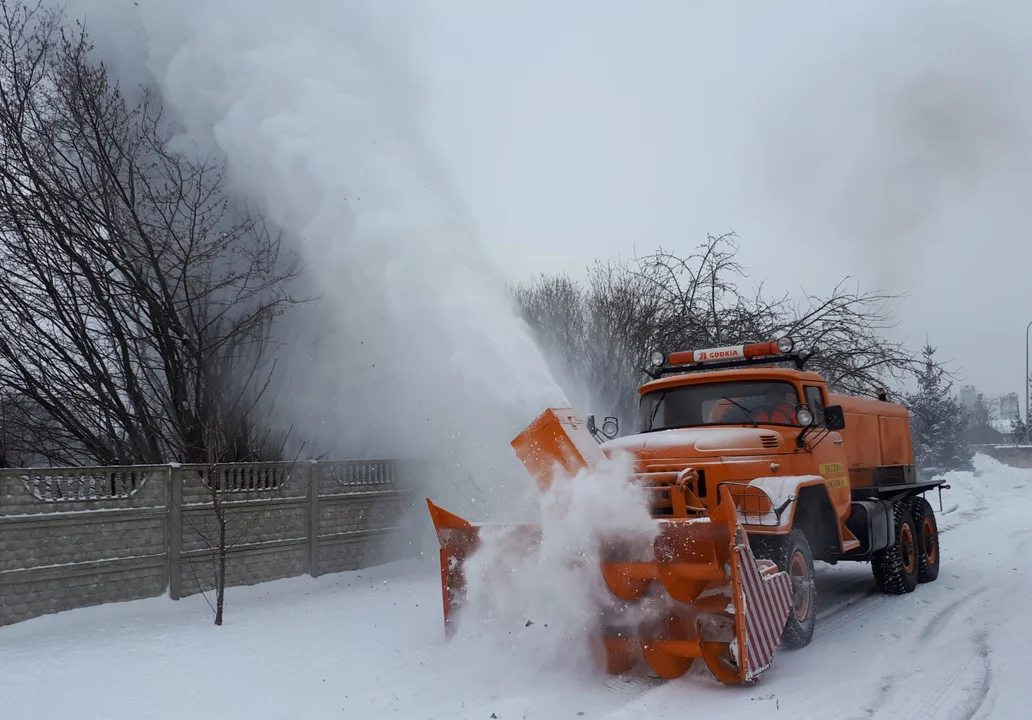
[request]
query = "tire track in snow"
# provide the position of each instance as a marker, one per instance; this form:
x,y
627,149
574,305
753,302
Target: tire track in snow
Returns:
x,y
954,684
960,695
978,698
839,617
943,616
862,599
963,694
862,602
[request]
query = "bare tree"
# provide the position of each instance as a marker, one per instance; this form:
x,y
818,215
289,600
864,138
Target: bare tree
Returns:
x,y
599,336
136,296
220,546
234,505
24,429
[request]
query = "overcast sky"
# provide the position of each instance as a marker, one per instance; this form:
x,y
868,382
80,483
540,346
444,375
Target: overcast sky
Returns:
x,y
884,140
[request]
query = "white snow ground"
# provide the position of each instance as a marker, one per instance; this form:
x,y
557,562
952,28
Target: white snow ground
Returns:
x,y
369,644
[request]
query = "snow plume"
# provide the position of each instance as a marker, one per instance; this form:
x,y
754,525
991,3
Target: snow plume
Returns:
x,y
534,606
415,347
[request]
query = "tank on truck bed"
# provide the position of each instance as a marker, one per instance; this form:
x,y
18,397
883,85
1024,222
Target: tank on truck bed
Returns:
x,y
879,451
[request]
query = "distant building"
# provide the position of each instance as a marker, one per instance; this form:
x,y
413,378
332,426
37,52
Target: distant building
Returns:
x,y
988,413
1009,411
969,397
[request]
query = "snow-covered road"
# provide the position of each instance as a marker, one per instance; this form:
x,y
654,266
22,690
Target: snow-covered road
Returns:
x,y
369,645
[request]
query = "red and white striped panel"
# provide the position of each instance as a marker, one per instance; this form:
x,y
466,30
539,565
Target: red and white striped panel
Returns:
x,y
768,601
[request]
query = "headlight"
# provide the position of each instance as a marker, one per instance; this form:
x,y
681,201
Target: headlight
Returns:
x,y
804,416
786,344
658,359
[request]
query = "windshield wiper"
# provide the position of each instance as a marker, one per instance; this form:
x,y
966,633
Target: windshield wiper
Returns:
x,y
743,409
655,410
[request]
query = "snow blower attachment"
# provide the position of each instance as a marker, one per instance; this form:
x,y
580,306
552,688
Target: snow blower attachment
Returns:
x,y
696,591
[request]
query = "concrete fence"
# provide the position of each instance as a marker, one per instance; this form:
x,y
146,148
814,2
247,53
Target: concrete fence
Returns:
x,y
74,537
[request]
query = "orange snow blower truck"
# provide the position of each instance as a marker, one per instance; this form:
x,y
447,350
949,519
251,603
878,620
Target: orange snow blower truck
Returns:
x,y
753,470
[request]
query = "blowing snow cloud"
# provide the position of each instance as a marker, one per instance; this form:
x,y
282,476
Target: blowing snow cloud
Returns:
x,y
415,346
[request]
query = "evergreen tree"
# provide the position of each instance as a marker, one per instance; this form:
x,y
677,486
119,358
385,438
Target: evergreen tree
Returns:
x,y
937,421
1019,430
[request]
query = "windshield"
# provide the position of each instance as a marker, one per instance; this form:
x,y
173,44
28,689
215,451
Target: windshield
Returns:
x,y
728,403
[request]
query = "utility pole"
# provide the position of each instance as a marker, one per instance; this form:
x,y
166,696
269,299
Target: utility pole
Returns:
x,y
1026,371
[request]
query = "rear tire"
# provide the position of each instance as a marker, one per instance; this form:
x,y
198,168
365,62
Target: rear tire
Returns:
x,y
927,539
896,567
791,553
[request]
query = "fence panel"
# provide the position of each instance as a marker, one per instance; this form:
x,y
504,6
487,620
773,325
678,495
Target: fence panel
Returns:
x,y
73,537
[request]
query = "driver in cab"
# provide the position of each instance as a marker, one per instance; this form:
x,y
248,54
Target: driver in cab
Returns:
x,y
777,406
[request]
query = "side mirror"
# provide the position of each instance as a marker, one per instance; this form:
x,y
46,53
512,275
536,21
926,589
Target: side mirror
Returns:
x,y
591,424
610,427
834,418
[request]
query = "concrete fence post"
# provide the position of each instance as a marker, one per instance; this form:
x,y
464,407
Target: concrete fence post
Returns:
x,y
313,518
175,532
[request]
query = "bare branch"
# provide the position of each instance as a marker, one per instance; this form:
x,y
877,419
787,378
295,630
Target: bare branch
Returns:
x,y
598,337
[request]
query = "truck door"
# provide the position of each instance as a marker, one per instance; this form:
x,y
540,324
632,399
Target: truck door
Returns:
x,y
827,451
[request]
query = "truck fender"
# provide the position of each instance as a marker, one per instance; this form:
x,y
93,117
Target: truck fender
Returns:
x,y
872,522
809,506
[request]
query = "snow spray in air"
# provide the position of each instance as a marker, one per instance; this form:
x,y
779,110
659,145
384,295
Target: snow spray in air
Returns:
x,y
417,329
535,609
416,347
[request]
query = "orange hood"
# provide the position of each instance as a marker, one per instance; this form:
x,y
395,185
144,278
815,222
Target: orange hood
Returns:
x,y
686,443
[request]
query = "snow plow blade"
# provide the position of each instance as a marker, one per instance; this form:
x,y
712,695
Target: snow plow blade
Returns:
x,y
696,591
458,539
720,604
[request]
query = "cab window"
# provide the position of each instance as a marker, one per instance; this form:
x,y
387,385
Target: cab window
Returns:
x,y
814,399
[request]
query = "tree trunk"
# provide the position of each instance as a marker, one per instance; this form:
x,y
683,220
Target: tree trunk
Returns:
x,y
220,572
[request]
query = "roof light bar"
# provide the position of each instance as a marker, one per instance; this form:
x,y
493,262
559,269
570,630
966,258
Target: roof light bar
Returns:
x,y
782,346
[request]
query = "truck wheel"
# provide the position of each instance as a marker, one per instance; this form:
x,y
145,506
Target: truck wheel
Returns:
x,y
927,539
895,567
791,553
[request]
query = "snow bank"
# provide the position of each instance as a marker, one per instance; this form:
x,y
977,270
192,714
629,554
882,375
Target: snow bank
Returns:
x,y
969,491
